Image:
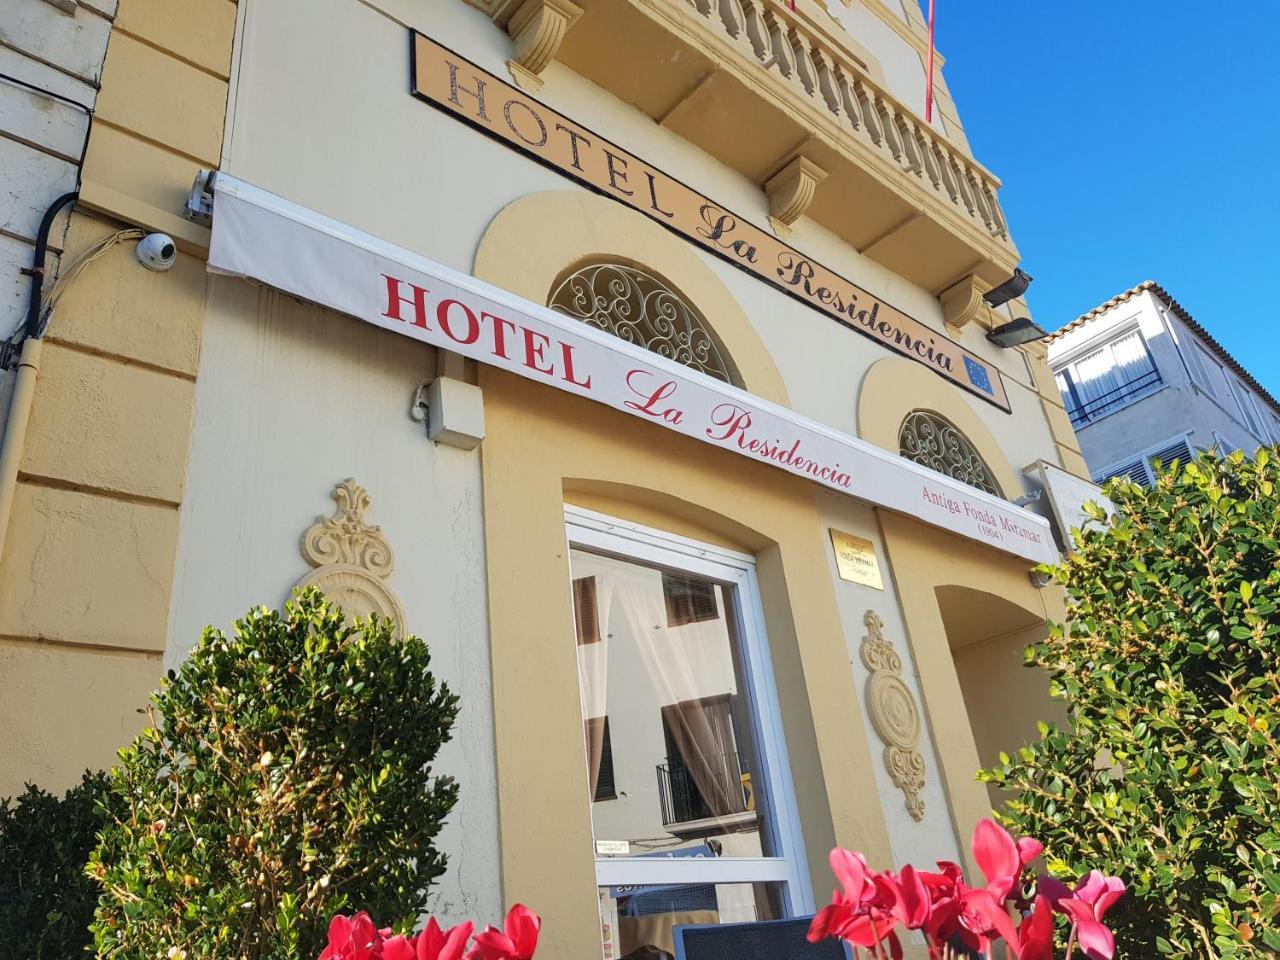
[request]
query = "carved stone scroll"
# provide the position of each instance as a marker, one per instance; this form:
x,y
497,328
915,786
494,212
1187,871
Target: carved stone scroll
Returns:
x,y
790,193
537,28
962,303
894,714
352,560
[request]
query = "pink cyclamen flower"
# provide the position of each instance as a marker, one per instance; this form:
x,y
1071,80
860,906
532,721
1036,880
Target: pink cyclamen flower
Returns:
x,y
1000,858
516,941
436,944
1093,897
1035,935
351,938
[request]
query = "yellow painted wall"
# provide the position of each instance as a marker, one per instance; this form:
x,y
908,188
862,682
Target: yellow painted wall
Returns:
x,y
543,448
87,571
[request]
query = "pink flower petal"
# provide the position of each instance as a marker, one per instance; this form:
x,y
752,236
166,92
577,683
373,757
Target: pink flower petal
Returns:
x,y
997,856
1095,940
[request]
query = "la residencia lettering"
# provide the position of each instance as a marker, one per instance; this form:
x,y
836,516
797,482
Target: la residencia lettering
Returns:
x,y
651,393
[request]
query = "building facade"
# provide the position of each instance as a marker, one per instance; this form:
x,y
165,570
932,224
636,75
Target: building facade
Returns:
x,y
1144,384
637,347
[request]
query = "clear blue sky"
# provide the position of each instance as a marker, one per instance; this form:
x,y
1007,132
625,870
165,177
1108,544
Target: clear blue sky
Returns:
x,y
1137,140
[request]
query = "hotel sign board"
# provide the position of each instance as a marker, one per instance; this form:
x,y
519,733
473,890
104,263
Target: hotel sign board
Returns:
x,y
1067,496
264,237
461,89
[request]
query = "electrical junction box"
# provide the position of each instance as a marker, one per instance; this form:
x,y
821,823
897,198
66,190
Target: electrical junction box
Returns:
x,y
455,413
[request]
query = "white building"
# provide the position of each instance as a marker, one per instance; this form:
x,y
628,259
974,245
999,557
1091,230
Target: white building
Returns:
x,y
1143,382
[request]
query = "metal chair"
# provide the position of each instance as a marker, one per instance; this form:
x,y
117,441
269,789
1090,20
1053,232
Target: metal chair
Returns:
x,y
767,940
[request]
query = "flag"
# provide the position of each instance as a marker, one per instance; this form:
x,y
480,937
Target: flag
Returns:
x,y
928,80
978,375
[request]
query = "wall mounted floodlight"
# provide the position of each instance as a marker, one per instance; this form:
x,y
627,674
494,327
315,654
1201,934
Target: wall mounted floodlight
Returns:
x,y
1015,286
1015,332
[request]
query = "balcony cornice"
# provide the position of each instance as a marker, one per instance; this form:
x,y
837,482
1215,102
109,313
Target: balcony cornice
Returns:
x,y
885,148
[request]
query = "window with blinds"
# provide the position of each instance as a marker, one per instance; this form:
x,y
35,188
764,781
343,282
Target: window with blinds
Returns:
x,y
586,618
689,600
1143,468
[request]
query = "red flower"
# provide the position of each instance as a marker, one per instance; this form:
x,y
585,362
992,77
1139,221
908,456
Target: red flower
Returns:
x,y
1000,858
397,948
864,912
516,941
1035,936
984,916
436,944
1093,897
351,938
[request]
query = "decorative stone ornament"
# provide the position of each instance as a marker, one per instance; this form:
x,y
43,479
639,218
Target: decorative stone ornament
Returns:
x,y
790,193
962,303
894,714
352,560
537,28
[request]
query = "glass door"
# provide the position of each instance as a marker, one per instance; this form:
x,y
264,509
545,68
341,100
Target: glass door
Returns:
x,y
692,807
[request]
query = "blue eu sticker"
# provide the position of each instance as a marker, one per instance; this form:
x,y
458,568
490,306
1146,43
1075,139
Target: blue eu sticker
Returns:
x,y
978,375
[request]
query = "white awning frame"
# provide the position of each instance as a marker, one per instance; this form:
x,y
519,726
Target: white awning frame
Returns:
x,y
263,237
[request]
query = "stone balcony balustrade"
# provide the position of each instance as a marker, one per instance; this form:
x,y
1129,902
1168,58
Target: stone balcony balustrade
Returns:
x,y
793,102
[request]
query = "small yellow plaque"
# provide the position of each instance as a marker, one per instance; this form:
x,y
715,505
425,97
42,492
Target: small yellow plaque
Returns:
x,y
856,559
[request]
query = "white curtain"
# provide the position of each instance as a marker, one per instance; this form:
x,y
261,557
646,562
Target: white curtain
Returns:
x,y
684,665
1100,378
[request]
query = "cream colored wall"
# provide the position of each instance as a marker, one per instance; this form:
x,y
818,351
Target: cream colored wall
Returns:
x,y
934,837
292,399
1004,697
86,576
536,441
451,181
924,560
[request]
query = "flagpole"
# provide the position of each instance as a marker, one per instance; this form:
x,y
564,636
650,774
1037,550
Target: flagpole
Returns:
x,y
928,80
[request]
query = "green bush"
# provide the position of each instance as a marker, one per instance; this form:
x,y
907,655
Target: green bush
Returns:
x,y
1170,668
286,777
46,900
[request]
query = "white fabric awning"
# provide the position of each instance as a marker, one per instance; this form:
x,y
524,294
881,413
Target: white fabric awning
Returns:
x,y
264,237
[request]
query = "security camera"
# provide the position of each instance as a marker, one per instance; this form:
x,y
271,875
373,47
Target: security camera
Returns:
x,y
157,251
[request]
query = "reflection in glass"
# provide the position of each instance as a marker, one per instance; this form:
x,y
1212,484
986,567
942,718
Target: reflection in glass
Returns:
x,y
636,921
669,743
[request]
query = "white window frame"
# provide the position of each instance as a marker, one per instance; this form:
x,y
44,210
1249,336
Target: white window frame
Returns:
x,y
624,540
1066,366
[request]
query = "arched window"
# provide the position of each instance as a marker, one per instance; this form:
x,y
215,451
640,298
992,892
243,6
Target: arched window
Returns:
x,y
934,441
643,309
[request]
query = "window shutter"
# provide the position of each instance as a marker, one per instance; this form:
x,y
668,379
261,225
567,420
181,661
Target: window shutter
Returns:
x,y
606,789
1135,470
586,620
689,600
1178,450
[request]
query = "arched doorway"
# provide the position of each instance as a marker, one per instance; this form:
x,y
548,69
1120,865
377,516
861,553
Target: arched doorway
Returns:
x,y
1004,699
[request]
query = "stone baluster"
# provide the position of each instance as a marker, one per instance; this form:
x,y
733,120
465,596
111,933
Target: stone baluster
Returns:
x,y
849,100
804,63
779,47
979,200
702,7
757,35
912,156
870,118
827,82
944,167
923,142
734,21
999,228
963,185
884,112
